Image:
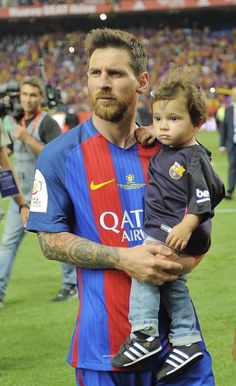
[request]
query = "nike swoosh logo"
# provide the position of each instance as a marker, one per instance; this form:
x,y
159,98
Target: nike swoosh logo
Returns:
x,y
94,186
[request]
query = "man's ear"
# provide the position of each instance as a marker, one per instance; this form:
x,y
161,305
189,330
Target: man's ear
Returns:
x,y
143,83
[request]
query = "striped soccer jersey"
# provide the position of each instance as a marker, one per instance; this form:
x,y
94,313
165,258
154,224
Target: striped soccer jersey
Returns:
x,y
92,188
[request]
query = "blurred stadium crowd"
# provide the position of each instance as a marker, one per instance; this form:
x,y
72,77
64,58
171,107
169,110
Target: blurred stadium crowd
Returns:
x,y
15,3
211,53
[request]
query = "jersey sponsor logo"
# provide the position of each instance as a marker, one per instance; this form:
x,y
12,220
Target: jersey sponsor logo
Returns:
x,y
129,226
39,198
94,186
176,171
202,195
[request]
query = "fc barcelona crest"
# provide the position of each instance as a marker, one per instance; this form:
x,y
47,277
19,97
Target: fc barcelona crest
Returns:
x,y
176,171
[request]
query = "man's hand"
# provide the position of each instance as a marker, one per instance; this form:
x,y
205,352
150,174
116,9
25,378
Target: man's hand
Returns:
x,y
20,133
145,135
150,263
155,263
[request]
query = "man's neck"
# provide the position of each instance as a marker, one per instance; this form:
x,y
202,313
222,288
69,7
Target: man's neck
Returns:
x,y
30,115
119,133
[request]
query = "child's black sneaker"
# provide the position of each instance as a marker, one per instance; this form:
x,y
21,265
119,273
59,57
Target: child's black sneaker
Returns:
x,y
137,347
178,360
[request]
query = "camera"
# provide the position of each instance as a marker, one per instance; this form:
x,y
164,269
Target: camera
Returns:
x,y
10,96
53,96
10,100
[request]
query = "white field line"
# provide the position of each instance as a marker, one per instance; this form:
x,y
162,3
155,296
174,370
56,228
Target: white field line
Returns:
x,y
226,210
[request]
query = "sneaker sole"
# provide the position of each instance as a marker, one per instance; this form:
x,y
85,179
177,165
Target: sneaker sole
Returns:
x,y
143,357
191,361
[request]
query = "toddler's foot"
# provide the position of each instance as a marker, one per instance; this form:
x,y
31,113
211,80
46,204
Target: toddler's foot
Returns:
x,y
178,360
137,347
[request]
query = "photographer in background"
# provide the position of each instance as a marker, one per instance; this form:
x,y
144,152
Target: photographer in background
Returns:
x,y
34,130
6,165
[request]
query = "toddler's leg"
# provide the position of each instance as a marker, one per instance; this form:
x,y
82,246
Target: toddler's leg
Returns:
x,y
184,335
144,340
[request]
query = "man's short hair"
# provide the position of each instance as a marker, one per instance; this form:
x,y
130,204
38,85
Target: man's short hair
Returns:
x,y
34,82
107,37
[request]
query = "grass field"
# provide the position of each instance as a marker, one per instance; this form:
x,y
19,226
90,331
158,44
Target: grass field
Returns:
x,y
35,333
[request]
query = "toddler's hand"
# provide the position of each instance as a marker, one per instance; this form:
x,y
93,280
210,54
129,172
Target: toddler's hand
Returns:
x,y
145,135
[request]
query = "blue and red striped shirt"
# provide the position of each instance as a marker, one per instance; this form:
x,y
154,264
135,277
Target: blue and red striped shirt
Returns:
x,y
88,186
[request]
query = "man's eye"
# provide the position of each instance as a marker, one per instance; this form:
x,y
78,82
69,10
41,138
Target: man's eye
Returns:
x,y
115,74
94,72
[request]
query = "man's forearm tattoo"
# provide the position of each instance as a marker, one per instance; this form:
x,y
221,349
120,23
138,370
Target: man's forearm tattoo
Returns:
x,y
68,248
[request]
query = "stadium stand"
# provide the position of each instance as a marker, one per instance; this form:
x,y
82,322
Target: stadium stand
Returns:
x,y
170,37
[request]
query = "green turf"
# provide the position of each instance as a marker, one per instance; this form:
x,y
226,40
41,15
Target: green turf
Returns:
x,y
35,333
212,284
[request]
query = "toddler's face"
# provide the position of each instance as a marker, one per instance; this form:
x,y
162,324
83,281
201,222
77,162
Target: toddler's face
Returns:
x,y
172,122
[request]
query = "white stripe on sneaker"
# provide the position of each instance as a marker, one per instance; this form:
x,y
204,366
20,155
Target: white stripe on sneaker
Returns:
x,y
141,348
179,366
172,363
126,353
181,353
136,352
177,359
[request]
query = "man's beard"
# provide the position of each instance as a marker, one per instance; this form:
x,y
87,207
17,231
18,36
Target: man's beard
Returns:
x,y
113,110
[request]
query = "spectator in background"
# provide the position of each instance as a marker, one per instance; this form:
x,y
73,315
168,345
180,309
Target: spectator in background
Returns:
x,y
220,114
36,128
211,53
210,123
228,142
71,120
6,165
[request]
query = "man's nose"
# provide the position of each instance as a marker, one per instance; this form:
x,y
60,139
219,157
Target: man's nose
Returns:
x,y
27,98
104,80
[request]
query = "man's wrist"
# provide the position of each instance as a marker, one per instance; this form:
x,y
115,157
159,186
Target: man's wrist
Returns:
x,y
24,205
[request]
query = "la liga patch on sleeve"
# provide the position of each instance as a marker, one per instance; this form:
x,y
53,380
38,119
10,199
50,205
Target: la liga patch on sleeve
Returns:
x,y
39,199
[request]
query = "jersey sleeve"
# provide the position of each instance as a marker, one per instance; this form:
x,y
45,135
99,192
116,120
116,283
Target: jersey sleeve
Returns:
x,y
199,200
205,189
51,208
